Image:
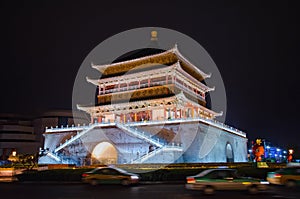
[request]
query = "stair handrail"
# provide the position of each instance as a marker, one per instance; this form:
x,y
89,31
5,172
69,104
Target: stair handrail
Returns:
x,y
77,136
148,155
139,135
53,156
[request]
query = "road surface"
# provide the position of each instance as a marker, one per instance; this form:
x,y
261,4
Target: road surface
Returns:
x,y
153,191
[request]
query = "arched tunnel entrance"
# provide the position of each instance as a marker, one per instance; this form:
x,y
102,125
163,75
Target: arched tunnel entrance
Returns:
x,y
104,153
229,153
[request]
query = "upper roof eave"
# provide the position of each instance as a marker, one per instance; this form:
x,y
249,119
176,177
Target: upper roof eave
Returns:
x,y
104,66
174,50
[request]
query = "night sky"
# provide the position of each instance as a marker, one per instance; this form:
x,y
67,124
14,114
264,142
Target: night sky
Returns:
x,y
254,45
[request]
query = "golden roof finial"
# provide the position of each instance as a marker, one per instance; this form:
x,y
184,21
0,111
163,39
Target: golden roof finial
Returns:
x,y
153,35
258,141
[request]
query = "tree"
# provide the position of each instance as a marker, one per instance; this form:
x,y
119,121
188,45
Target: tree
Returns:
x,y
26,160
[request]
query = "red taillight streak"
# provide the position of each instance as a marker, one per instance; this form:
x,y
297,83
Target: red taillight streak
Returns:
x,y
84,175
190,180
277,175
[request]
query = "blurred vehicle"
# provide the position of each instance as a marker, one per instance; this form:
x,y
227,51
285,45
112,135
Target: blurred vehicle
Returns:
x,y
109,175
224,179
289,176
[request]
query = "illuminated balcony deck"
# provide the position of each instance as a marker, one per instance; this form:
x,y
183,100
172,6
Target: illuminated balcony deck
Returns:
x,y
210,122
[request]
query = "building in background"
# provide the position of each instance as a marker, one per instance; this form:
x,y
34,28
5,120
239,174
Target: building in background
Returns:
x,y
24,134
17,135
275,153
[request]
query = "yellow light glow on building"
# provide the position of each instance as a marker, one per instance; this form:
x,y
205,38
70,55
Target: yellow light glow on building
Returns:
x,y
105,152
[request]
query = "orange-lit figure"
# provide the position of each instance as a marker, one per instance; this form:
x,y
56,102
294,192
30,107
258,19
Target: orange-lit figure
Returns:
x,y
258,150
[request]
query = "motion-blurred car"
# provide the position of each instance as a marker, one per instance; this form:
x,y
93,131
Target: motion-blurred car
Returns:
x,y
289,176
109,175
224,179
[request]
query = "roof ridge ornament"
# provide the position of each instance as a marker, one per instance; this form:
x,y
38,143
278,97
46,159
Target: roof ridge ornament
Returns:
x,y
175,48
154,35
180,95
220,113
177,64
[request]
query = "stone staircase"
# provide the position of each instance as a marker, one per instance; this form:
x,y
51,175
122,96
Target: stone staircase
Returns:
x,y
162,147
76,137
165,154
140,134
58,159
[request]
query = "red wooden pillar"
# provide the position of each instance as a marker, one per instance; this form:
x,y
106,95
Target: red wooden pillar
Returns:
x,y
150,115
92,119
135,117
166,79
192,112
175,112
124,118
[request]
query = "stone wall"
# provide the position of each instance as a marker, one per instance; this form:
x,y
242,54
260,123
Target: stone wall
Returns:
x,y
200,143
